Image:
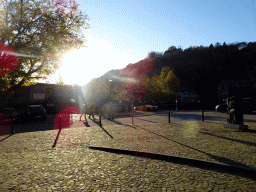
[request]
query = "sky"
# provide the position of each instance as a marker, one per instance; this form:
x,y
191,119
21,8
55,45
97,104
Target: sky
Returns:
x,y
126,31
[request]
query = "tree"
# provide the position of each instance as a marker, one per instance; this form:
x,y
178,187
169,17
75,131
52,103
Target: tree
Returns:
x,y
137,91
154,55
217,44
172,51
40,32
169,82
139,69
163,87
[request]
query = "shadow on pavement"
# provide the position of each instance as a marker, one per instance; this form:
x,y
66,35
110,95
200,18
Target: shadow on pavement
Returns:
x,y
5,138
235,140
33,126
215,157
52,123
239,171
98,123
131,126
186,116
116,122
107,132
86,124
146,120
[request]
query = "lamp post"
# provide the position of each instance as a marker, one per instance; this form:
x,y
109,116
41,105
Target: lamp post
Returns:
x,y
132,93
110,89
176,104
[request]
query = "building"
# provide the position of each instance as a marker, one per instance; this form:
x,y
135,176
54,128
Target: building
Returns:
x,y
188,99
53,97
230,88
187,95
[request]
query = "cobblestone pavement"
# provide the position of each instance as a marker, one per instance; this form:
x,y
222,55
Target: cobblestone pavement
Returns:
x,y
29,163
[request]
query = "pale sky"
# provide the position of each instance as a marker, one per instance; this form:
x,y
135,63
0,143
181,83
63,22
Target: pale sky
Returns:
x,y
125,31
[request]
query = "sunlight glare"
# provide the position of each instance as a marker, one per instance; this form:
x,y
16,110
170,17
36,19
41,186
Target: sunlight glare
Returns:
x,y
81,66
190,128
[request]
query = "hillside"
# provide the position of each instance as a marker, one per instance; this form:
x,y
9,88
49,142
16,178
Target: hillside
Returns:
x,y
199,68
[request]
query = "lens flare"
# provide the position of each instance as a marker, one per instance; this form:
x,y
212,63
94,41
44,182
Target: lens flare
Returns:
x,y
8,59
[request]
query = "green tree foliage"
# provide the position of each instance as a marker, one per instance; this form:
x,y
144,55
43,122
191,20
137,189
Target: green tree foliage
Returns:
x,y
163,87
169,82
40,32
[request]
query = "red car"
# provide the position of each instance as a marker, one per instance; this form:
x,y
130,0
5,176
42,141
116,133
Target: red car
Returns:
x,y
146,108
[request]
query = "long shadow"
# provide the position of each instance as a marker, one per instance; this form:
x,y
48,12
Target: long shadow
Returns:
x,y
187,116
98,123
236,140
249,120
107,132
146,120
5,138
33,127
250,131
86,123
131,126
116,122
52,123
239,171
218,158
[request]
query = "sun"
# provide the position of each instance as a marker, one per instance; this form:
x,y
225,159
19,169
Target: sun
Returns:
x,y
74,68
82,65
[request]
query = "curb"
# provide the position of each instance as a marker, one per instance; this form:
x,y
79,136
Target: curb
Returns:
x,y
185,161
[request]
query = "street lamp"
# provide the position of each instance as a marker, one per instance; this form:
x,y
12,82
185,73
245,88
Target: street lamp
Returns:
x,y
110,89
176,104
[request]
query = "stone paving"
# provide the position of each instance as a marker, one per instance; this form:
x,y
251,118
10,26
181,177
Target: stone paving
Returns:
x,y
29,163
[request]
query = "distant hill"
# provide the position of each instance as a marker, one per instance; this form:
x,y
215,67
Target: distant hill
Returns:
x,y
200,68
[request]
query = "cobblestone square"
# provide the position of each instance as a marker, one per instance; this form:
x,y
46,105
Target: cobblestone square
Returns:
x,y
29,163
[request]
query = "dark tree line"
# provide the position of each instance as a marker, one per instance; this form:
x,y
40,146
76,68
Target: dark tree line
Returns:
x,y
203,68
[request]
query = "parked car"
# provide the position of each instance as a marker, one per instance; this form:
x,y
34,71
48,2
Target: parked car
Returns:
x,y
32,112
7,115
146,108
